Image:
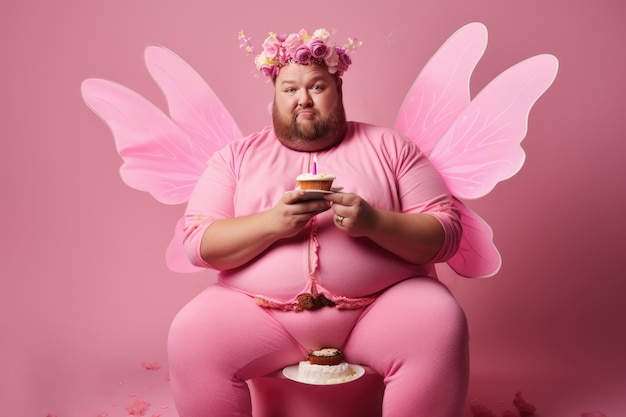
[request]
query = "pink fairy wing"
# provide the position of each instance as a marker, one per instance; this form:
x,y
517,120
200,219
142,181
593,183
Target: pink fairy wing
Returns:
x,y
175,256
477,256
193,106
164,156
442,89
483,146
473,144
158,156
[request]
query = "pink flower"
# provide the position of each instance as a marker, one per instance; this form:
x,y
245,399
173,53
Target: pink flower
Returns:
x,y
317,47
302,55
271,49
269,70
344,62
292,43
301,47
331,59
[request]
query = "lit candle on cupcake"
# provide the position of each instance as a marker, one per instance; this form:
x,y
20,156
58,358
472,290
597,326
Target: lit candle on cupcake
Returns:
x,y
314,180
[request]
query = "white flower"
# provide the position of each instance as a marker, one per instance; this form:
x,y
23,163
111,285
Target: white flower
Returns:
x,y
322,34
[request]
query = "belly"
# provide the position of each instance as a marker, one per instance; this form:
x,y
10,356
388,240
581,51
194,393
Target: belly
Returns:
x,y
342,265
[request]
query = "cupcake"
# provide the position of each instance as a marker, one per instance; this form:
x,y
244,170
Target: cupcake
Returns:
x,y
326,356
310,181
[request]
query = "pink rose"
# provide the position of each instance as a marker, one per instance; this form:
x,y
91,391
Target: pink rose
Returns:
x,y
271,49
317,47
269,70
302,55
331,59
344,61
283,57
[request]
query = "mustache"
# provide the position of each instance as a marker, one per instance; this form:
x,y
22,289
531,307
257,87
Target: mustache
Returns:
x,y
307,110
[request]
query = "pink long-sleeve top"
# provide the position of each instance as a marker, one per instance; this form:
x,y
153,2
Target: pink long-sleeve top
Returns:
x,y
386,169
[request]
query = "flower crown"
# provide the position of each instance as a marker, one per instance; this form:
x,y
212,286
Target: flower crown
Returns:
x,y
302,48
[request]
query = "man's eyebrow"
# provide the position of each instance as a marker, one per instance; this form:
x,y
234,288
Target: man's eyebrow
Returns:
x,y
313,80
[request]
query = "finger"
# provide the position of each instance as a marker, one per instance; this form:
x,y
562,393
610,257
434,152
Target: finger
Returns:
x,y
291,197
339,220
344,199
314,206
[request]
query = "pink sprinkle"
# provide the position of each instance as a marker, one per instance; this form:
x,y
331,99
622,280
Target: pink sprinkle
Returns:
x,y
151,366
593,414
137,407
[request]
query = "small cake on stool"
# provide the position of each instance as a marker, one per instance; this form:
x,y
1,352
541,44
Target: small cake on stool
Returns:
x,y
325,366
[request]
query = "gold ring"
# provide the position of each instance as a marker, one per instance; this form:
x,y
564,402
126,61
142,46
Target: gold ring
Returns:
x,y
340,220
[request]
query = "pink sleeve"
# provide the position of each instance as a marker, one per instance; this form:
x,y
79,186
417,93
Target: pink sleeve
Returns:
x,y
423,190
211,200
452,228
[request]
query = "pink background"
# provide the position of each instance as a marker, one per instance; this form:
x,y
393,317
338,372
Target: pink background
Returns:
x,y
86,296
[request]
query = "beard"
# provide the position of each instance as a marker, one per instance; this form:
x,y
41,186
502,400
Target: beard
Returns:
x,y
315,135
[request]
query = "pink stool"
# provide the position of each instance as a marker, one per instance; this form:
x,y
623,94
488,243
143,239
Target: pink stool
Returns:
x,y
277,396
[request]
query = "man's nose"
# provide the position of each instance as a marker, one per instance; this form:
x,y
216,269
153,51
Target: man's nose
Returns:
x,y
304,99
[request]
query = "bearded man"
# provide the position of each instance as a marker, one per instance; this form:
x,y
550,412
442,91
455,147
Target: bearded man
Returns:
x,y
353,269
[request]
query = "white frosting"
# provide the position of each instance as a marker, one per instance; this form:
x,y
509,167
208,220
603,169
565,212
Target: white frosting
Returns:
x,y
325,352
325,374
314,177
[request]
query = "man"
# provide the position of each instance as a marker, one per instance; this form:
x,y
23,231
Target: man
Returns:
x,y
353,270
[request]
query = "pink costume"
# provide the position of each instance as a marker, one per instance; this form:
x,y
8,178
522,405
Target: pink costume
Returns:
x,y
389,314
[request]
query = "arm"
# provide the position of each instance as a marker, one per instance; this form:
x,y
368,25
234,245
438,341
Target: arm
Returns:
x,y
414,237
232,242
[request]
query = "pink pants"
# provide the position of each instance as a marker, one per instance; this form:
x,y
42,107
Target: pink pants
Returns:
x,y
414,335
